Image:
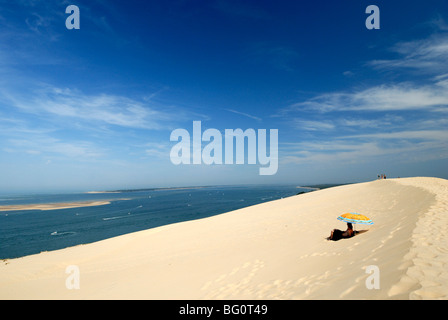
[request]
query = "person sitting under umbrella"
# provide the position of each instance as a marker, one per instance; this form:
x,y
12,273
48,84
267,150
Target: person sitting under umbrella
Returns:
x,y
337,234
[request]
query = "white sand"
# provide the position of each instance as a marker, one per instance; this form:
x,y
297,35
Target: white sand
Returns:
x,y
54,206
275,250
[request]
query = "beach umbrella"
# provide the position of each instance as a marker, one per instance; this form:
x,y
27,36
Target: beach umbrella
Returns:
x,y
353,217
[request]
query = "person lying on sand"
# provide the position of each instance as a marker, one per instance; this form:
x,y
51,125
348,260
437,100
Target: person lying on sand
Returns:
x,y
337,234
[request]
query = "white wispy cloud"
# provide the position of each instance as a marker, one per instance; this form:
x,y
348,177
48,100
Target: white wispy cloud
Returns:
x,y
399,121
312,125
359,126
428,135
338,123
393,97
159,150
318,152
20,136
101,108
244,114
425,55
403,146
51,122
49,146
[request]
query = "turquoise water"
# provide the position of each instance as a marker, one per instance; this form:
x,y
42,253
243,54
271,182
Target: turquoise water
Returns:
x,y
32,231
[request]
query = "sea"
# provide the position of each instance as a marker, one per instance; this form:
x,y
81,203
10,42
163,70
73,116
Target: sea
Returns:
x,y
26,232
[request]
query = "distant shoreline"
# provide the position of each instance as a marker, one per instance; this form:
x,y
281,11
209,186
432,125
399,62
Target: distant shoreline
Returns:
x,y
315,187
324,186
147,189
101,192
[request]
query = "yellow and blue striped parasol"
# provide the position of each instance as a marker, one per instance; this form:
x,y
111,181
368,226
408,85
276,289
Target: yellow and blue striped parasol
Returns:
x,y
353,217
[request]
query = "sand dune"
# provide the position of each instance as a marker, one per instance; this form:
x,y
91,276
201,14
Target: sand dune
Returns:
x,y
275,250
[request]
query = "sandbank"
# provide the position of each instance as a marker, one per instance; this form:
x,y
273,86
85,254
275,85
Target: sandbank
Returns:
x,y
55,206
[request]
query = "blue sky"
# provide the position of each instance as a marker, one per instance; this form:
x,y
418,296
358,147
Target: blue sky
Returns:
x,y
93,109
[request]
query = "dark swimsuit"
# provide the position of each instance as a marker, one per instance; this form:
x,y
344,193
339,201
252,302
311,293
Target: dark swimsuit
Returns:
x,y
338,234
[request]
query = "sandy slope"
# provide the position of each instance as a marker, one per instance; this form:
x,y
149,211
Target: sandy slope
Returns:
x,y
275,250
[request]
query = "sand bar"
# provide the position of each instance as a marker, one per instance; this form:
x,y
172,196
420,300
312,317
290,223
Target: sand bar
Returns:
x,y
55,206
275,250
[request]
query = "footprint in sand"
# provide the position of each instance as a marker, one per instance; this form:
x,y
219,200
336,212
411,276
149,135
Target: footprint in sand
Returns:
x,y
235,282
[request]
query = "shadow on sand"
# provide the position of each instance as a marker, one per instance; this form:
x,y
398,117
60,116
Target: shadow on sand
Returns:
x,y
356,233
